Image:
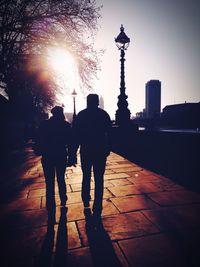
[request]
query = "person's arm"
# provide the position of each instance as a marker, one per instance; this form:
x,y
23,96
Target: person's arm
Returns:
x,y
108,126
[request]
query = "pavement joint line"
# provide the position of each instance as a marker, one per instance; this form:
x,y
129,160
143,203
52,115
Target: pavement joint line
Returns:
x,y
125,257
116,207
79,233
112,195
153,223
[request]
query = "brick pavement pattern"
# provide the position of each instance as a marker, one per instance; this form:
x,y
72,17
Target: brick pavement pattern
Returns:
x,y
148,220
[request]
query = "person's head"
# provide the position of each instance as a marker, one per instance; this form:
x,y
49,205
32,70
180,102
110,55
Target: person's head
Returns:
x,y
58,112
92,101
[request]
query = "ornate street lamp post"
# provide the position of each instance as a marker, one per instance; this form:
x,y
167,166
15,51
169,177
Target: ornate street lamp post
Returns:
x,y
123,113
74,94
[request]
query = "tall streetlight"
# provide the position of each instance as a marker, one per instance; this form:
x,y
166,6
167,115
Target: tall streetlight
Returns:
x,y
74,94
123,113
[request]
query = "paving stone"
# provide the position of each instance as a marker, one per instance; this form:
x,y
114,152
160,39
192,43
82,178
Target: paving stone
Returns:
x,y
80,257
141,178
133,203
36,193
125,166
153,251
120,182
147,172
73,236
169,186
103,252
74,179
34,176
149,187
109,172
119,255
33,186
42,192
122,226
77,187
124,190
74,197
108,183
22,204
70,231
127,169
30,218
186,216
175,197
69,171
115,176
76,211
125,161
43,201
108,208
22,194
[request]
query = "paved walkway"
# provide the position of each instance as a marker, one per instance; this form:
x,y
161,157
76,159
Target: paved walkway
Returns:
x,y
148,221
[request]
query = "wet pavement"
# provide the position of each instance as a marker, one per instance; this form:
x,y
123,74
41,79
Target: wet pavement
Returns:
x,y
148,220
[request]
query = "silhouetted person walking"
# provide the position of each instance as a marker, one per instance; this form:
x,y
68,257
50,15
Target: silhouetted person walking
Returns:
x,y
54,137
91,128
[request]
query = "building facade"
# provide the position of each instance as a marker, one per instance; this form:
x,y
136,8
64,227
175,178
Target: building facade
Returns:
x,y
153,99
184,115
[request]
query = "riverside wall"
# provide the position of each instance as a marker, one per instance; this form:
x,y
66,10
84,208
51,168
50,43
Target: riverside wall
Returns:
x,y
173,154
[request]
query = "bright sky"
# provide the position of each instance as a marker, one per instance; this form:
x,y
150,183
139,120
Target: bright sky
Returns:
x,y
165,42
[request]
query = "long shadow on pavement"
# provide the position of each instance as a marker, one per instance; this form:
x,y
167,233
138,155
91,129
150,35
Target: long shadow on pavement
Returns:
x,y
102,251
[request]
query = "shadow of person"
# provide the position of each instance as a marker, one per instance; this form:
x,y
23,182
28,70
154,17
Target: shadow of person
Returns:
x,y
101,248
62,240
45,257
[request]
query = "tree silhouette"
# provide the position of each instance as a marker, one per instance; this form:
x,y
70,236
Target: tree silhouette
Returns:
x,y
26,28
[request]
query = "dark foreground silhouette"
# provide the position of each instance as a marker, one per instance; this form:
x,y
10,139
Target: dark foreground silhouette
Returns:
x,y
61,244
102,251
53,141
91,129
174,155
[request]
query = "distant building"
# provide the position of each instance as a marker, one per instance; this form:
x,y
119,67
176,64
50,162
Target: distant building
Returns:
x,y
69,116
185,115
153,99
141,114
101,102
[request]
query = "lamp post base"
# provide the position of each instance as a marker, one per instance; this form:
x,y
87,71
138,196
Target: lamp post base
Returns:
x,y
122,117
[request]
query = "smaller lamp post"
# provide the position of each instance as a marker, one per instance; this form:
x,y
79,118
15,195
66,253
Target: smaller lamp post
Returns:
x,y
122,114
74,94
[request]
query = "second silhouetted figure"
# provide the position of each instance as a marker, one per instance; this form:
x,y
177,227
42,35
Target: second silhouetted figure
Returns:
x,y
54,138
92,128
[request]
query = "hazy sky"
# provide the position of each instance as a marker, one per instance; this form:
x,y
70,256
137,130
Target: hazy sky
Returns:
x,y
165,44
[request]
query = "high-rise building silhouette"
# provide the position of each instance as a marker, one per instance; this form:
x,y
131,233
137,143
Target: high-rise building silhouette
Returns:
x,y
153,99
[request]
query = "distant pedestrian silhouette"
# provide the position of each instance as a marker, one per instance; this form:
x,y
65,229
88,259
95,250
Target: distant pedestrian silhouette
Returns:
x,y
91,129
54,137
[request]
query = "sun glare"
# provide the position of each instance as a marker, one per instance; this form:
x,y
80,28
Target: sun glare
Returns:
x,y
65,72
64,68
61,60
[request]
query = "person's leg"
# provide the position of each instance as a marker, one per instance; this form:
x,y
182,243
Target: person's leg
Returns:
x,y
99,169
60,172
49,173
86,166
